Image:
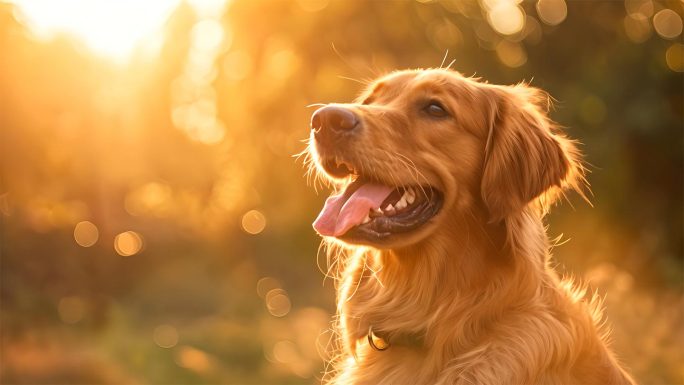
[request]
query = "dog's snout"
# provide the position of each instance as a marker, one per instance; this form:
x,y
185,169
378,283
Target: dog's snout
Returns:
x,y
331,122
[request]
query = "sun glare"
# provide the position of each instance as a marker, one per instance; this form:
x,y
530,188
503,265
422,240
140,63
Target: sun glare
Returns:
x,y
110,28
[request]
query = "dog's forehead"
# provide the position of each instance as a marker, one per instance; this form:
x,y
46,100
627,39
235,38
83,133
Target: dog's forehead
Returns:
x,y
392,83
399,81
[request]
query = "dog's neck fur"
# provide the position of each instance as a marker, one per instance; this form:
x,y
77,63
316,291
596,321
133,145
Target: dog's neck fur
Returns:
x,y
473,264
454,290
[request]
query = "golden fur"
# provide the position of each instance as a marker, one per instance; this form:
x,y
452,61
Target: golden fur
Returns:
x,y
475,283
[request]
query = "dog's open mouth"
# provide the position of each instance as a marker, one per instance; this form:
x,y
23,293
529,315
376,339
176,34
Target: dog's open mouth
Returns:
x,y
369,211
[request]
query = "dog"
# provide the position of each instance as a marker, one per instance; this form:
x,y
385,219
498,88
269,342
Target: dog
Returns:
x,y
435,227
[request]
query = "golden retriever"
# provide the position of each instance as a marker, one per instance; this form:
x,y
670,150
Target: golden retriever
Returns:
x,y
442,182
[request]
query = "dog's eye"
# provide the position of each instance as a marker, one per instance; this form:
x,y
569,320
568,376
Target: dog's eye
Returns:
x,y
436,109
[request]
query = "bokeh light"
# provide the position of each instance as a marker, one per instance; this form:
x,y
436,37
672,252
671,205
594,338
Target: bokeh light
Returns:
x,y
639,9
128,243
533,31
149,199
637,29
281,61
194,109
253,222
552,12
511,54
207,35
165,336
278,302
194,359
237,65
285,351
674,56
86,233
265,285
667,23
444,34
506,17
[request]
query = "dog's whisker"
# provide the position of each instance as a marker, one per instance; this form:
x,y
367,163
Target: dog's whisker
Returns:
x,y
393,177
419,176
446,54
413,170
363,82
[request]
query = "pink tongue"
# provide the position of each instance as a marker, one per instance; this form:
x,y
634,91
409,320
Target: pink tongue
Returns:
x,y
339,215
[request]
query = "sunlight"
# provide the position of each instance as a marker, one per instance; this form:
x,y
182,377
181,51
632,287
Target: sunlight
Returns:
x,y
109,28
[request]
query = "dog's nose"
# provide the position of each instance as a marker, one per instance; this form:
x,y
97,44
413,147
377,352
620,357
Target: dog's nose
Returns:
x,y
333,121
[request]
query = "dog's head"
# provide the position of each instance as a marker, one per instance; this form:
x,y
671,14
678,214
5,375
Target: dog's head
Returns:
x,y
421,145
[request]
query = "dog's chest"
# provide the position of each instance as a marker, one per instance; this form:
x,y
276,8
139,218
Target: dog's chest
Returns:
x,y
389,308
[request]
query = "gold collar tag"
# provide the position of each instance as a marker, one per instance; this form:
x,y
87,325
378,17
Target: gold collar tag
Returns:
x,y
376,342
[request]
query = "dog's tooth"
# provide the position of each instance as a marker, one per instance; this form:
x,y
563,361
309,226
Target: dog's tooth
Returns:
x,y
366,219
410,195
376,213
401,204
389,210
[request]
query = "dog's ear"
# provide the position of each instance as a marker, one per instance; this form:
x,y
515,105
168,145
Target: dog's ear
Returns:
x,y
524,157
